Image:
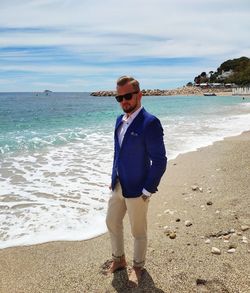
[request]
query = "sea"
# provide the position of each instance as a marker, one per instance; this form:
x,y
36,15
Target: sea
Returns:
x,y
56,154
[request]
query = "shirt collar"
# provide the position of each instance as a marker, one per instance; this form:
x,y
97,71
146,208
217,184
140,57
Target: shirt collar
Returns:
x,y
130,118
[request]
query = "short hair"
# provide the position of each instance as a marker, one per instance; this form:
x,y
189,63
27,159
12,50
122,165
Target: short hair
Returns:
x,y
128,79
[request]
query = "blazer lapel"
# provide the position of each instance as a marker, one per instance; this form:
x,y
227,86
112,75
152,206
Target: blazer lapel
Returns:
x,y
118,124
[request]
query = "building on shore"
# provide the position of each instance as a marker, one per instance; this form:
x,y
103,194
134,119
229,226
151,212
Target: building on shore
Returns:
x,y
241,91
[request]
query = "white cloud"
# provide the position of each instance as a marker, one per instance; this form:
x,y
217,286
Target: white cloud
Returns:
x,y
112,30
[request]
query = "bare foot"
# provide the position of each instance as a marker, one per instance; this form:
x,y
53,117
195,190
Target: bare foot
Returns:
x,y
117,265
135,277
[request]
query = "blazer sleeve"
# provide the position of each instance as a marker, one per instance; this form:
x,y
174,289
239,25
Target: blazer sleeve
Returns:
x,y
156,150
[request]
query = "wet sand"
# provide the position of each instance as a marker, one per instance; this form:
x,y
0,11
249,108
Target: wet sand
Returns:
x,y
203,202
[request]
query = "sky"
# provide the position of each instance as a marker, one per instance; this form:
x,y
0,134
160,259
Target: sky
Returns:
x,y
83,45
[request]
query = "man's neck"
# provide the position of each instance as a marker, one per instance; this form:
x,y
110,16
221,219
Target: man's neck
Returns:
x,y
130,113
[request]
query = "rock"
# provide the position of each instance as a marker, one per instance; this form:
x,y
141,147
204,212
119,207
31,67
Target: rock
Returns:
x,y
201,189
244,239
227,237
232,250
168,211
232,245
172,235
209,203
188,223
201,282
217,211
239,233
207,241
216,250
244,227
167,230
178,220
194,187
220,234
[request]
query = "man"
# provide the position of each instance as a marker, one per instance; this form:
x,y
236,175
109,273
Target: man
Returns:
x,y
139,163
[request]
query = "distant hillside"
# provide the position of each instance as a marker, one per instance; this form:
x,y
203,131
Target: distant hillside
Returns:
x,y
231,71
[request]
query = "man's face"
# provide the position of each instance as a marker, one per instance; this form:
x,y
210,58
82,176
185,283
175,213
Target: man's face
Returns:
x,y
129,106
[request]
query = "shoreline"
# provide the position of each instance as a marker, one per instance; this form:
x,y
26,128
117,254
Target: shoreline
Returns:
x,y
217,174
194,149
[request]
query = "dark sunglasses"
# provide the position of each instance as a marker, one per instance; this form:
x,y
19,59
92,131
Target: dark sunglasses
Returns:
x,y
126,97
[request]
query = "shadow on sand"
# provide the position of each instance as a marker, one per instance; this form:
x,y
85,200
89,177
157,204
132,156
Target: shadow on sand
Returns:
x,y
120,283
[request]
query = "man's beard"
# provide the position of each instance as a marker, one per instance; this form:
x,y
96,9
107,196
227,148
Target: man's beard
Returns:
x,y
130,109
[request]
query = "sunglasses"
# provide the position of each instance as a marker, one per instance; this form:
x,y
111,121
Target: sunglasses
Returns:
x,y
126,97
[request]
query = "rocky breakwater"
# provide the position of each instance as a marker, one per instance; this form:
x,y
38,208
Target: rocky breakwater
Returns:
x,y
157,92
181,91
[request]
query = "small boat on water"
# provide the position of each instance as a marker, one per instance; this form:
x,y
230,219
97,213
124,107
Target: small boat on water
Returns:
x,y
47,92
209,94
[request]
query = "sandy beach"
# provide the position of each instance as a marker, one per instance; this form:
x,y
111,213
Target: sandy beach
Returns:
x,y
202,204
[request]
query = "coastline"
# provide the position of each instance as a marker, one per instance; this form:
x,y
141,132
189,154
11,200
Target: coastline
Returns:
x,y
219,203
181,91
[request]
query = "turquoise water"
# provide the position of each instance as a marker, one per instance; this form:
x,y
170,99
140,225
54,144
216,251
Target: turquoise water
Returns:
x,y
56,154
29,122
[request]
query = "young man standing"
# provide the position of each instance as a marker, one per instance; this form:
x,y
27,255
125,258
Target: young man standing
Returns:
x,y
139,163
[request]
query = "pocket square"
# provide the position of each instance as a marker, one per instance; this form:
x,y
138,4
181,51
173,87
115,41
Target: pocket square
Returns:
x,y
134,133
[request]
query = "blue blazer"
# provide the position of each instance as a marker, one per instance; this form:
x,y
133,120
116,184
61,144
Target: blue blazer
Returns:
x,y
141,159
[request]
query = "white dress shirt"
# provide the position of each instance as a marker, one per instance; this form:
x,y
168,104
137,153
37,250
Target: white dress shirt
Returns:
x,y
126,121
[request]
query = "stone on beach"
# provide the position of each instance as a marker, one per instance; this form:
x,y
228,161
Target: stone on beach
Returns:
x,y
244,239
231,250
188,223
226,237
172,235
194,187
244,228
216,250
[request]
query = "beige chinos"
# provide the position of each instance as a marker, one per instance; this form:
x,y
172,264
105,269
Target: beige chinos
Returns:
x,y
137,212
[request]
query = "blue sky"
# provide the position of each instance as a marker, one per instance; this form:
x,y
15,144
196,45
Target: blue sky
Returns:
x,y
82,45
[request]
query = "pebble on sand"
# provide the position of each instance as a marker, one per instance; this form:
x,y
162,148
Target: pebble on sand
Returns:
x,y
215,250
188,223
244,239
207,241
194,187
244,227
226,237
172,235
231,250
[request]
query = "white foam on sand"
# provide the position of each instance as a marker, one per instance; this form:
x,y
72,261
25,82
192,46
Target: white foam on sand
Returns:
x,y
57,194
190,133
